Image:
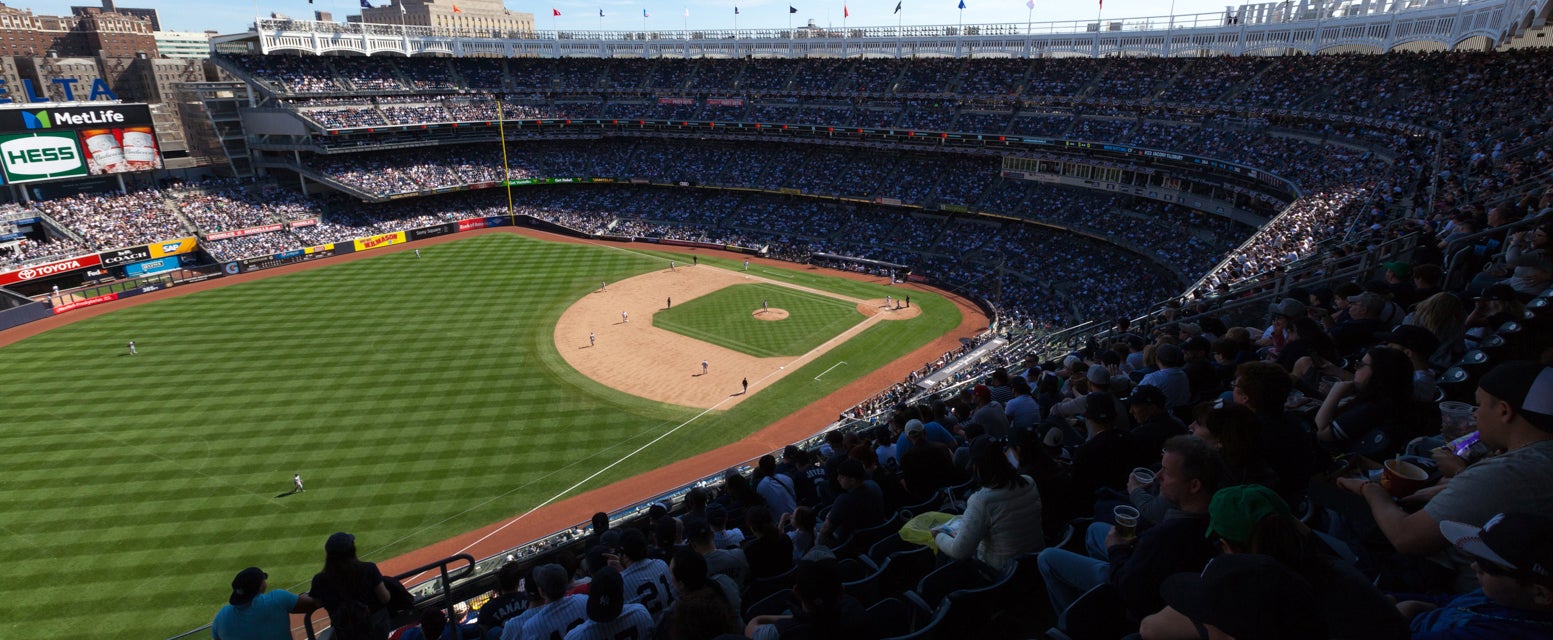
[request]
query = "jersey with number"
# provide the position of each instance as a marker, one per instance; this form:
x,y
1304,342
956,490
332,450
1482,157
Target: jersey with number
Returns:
x,y
633,623
553,620
647,584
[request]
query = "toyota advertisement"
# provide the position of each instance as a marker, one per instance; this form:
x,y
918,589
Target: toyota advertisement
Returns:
x,y
67,142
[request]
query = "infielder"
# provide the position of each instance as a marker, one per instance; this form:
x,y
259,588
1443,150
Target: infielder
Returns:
x,y
889,300
591,338
746,264
625,317
671,265
746,385
296,481
703,367
695,260
132,348
603,286
764,306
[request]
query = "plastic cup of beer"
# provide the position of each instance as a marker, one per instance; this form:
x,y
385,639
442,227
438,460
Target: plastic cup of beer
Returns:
x,y
1126,521
1143,476
1457,419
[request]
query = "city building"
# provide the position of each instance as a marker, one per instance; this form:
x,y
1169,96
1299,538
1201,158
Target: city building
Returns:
x,y
183,44
483,15
108,6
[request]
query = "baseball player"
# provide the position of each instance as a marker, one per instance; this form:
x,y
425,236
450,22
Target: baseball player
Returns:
x,y
625,317
764,306
671,265
695,260
609,617
132,348
746,382
296,481
703,367
591,338
746,264
908,302
603,285
668,303
417,253
888,301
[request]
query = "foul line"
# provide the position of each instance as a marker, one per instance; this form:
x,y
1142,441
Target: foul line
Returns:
x,y
831,367
590,478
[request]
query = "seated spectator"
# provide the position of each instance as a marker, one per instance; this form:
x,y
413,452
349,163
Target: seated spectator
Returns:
x,y
508,602
555,612
1189,474
1234,431
702,610
1002,519
989,417
1170,378
1382,415
725,562
1514,565
769,552
824,609
860,506
253,611
1253,519
926,466
1287,444
1444,315
802,531
646,578
1107,455
1496,306
889,484
1237,596
1515,415
1153,424
609,615
1418,344
1530,254
775,488
1279,332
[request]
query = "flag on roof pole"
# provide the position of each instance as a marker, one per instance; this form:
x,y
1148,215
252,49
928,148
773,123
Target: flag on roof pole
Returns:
x,y
1030,4
844,12
962,4
456,9
898,6
792,9
687,12
364,4
601,11
553,11
735,11
644,13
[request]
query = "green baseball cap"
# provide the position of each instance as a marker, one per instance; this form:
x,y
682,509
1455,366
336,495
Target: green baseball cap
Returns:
x,y
1234,512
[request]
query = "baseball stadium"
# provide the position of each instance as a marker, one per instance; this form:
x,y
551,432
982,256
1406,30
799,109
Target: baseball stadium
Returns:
x,y
1039,330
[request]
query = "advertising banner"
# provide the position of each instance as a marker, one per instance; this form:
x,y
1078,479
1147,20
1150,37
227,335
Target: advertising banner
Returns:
x,y
173,247
124,256
433,231
222,235
378,241
284,258
725,102
471,224
150,267
496,221
126,150
29,157
45,270
82,304
93,117
677,101
297,224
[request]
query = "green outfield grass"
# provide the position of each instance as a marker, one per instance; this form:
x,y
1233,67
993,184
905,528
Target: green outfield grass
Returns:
x,y
726,317
419,398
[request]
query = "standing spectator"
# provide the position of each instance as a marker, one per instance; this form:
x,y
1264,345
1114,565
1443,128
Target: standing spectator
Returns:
x,y
254,613
352,591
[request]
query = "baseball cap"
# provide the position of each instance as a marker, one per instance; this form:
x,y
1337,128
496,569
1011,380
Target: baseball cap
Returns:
x,y
981,391
1248,596
247,585
1169,355
606,595
1098,374
1499,292
1148,394
914,426
340,543
1235,511
1420,340
1398,269
1197,343
1100,407
1515,541
1191,328
697,529
1288,307
1527,386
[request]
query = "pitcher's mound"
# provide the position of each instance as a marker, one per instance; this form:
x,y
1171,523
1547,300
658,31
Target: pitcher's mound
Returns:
x,y
770,315
894,311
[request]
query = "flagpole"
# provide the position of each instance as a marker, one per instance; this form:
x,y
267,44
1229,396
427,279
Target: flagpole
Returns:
x,y
1099,26
1029,16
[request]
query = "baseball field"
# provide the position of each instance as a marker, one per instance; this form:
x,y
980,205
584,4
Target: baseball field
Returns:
x,y
418,398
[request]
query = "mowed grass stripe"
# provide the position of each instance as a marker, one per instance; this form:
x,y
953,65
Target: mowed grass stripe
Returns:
x,y
419,398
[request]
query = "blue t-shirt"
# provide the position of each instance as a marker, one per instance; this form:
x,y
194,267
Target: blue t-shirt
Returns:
x,y
1474,616
267,617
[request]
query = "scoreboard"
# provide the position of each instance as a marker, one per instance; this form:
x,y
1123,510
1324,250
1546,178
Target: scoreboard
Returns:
x,y
50,143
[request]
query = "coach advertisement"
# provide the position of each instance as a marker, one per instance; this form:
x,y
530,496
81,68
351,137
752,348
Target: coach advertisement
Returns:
x,y
379,241
124,256
433,231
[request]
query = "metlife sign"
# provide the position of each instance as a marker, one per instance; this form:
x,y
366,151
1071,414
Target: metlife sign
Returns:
x,y
107,116
29,157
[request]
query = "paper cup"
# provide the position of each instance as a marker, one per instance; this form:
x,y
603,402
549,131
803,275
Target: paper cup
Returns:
x,y
1401,478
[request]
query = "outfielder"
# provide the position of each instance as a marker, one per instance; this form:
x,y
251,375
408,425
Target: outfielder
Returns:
x,y
417,253
132,348
296,481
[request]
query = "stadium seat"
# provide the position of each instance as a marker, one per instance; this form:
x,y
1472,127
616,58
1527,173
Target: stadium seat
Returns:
x,y
935,587
775,604
935,627
890,617
888,546
760,588
1099,614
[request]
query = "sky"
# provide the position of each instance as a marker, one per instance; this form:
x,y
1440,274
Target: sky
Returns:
x,y
231,16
